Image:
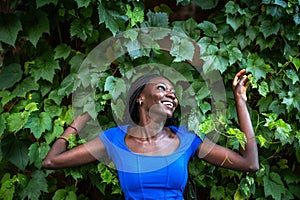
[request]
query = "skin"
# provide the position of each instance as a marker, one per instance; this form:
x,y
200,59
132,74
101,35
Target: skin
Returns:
x,y
157,103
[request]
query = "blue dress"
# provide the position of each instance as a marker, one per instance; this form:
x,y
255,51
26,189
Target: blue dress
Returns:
x,y
151,177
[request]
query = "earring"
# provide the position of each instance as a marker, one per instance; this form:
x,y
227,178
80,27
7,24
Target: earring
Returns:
x,y
140,102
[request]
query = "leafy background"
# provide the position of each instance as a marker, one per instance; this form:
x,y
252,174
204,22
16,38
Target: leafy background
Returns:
x,y
43,44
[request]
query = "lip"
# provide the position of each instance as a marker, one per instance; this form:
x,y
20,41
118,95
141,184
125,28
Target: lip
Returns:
x,y
168,104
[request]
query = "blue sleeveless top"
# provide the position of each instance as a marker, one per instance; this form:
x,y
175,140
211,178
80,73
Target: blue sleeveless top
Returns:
x,y
151,177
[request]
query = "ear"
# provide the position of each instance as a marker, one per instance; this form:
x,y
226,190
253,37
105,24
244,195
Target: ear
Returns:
x,y
139,99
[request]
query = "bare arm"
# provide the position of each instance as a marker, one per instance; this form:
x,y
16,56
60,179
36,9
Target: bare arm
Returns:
x,y
246,159
59,157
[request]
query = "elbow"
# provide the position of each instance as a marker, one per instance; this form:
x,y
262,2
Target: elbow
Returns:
x,y
253,167
48,164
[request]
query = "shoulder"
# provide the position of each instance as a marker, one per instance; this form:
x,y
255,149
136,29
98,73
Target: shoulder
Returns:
x,y
113,133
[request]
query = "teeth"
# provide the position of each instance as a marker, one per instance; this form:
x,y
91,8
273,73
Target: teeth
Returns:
x,y
168,103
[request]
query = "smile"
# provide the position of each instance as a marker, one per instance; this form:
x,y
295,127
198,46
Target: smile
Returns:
x,y
168,104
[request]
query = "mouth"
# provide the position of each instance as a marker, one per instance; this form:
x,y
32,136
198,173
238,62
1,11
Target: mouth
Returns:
x,y
168,104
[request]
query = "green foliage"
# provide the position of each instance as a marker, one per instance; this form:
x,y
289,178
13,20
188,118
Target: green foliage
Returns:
x,y
44,43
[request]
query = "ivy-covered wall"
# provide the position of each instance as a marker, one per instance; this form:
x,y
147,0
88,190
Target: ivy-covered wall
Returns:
x,y
44,43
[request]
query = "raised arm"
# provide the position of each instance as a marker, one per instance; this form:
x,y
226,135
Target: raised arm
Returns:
x,y
246,159
59,157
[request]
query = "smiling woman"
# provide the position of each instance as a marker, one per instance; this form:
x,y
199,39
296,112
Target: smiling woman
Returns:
x,y
150,153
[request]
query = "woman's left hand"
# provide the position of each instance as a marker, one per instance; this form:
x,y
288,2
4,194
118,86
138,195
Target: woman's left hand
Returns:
x,y
240,84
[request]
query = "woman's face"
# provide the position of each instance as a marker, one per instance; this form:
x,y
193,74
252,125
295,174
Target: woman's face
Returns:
x,y
158,98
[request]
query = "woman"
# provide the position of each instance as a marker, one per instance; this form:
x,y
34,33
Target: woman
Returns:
x,y
151,157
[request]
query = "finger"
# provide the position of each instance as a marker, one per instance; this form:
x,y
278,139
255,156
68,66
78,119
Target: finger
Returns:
x,y
238,76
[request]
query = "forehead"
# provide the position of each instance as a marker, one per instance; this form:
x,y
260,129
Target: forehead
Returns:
x,y
162,80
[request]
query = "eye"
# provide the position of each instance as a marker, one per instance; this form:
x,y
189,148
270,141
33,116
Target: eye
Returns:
x,y
161,87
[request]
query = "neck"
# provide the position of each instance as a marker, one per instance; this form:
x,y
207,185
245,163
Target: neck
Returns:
x,y
149,131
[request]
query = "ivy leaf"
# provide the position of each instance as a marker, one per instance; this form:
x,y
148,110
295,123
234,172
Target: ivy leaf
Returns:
x,y
9,75
268,28
292,100
282,132
57,131
10,26
34,31
37,184
106,17
182,48
16,121
273,186
257,66
40,3
39,123
82,3
51,108
188,27
2,127
209,28
62,51
263,88
206,5
136,16
44,67
15,151
27,84
37,153
296,62
118,107
291,74
68,85
235,21
157,19
217,192
81,29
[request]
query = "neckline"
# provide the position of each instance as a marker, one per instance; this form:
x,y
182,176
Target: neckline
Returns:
x,y
124,129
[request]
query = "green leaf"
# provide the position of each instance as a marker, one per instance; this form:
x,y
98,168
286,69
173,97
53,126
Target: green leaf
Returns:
x,y
235,21
28,84
68,85
51,108
10,26
9,75
158,19
34,31
182,48
135,16
36,185
44,67
2,126
7,190
291,74
205,5
217,192
119,108
257,66
81,29
83,3
292,100
263,88
18,155
62,51
40,3
273,186
39,123
296,62
37,152
106,17
209,28
57,131
283,131
268,28
16,121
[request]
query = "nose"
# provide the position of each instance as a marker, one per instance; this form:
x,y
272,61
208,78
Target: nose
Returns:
x,y
171,94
